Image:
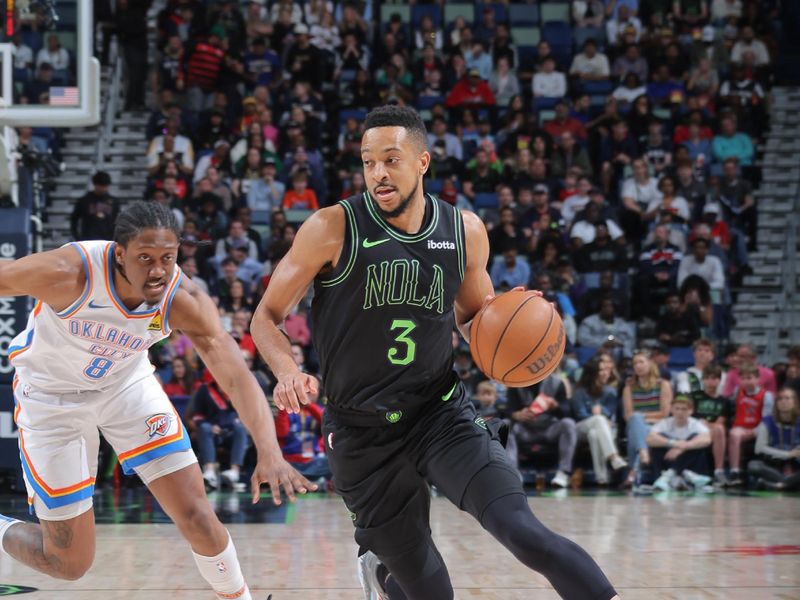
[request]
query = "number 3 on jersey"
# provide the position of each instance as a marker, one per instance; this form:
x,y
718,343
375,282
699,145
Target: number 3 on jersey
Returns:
x,y
98,368
402,338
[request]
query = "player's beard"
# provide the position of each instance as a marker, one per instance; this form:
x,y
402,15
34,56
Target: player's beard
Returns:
x,y
401,208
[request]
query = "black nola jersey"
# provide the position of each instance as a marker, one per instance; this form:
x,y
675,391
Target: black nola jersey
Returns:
x,y
383,317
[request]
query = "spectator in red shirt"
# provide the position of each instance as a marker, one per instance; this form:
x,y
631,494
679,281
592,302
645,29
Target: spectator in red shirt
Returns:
x,y
203,68
471,90
564,123
300,196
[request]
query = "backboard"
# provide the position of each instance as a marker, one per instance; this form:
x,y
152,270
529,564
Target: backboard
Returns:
x,y
48,75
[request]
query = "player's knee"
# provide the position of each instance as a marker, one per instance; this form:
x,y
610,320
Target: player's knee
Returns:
x,y
74,570
568,424
197,520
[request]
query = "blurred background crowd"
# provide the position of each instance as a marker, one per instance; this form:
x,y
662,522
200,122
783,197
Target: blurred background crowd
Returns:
x,y
609,147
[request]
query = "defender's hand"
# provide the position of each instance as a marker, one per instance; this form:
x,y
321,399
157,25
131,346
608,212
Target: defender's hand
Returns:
x,y
292,391
276,472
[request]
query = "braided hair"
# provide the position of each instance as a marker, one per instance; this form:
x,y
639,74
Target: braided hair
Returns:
x,y
138,216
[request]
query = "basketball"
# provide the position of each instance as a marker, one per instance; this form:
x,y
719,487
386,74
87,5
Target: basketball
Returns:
x,y
517,339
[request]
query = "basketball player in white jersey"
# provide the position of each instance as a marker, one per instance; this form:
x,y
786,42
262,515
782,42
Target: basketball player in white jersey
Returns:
x,y
82,367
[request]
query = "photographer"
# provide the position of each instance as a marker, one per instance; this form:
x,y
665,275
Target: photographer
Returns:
x,y
95,212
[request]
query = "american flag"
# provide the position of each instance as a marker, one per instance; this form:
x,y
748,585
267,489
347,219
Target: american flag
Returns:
x,y
63,96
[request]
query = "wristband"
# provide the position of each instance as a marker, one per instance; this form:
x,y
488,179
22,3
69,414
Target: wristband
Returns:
x,y
671,443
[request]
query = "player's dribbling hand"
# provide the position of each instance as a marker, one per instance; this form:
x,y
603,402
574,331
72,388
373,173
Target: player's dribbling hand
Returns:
x,y
276,472
293,391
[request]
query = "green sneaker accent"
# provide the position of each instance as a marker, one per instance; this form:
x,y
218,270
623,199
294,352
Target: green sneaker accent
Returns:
x,y
367,244
449,394
394,416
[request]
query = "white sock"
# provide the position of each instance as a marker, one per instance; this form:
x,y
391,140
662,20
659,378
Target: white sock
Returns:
x,y
224,574
5,525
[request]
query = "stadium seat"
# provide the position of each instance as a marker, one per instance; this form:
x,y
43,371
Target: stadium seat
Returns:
x,y
523,15
581,34
455,10
555,11
485,200
428,102
527,58
359,114
597,87
525,36
260,217
584,353
434,186
681,358
387,10
500,13
544,103
557,33
420,10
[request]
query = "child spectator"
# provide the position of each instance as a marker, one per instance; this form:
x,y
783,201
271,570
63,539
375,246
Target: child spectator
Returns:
x,y
678,442
777,463
300,438
753,402
595,407
713,410
300,197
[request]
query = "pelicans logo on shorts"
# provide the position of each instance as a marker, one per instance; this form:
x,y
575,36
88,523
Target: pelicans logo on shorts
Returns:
x,y
158,425
13,590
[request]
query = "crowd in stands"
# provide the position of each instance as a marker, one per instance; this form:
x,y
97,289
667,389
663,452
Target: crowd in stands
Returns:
x,y
609,147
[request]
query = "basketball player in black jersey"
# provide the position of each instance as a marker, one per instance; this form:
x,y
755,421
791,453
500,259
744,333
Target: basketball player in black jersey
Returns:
x,y
393,272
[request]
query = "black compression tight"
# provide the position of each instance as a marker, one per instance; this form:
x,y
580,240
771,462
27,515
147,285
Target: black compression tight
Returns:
x,y
570,570
567,566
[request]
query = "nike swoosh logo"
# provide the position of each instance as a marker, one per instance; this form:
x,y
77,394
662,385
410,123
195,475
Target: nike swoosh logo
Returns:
x,y
93,305
367,244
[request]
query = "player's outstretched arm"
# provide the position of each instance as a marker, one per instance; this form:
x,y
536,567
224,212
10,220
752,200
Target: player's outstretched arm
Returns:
x,y
194,313
317,245
477,284
56,277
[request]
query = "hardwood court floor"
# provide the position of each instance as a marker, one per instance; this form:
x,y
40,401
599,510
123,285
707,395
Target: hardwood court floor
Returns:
x,y
662,547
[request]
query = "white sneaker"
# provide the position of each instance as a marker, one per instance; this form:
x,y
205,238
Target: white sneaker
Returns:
x,y
560,480
618,463
663,481
230,477
368,576
211,479
695,479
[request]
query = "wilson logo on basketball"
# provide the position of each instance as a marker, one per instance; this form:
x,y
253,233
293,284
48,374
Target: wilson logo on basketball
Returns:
x,y
158,425
551,352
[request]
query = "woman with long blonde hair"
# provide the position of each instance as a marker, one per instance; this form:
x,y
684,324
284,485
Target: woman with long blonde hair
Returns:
x,y
645,400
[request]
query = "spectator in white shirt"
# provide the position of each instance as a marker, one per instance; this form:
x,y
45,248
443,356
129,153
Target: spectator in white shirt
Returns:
x,y
504,82
584,231
23,57
669,202
748,43
58,58
590,65
701,263
576,202
171,145
630,89
639,191
549,83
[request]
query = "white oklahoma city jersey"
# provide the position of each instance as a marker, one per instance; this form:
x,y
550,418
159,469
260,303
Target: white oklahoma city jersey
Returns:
x,y
97,342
